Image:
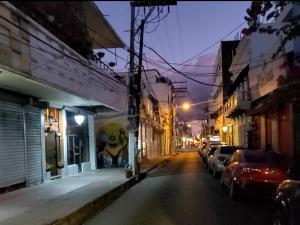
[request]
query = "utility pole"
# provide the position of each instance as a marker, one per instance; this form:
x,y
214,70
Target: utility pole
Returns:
x,y
138,94
135,93
135,81
131,99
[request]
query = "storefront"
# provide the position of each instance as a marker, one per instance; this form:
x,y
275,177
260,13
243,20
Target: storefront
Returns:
x,y
275,121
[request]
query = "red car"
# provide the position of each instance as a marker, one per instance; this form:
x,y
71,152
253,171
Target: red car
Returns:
x,y
254,172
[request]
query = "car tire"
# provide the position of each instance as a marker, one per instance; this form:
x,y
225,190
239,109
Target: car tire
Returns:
x,y
234,191
278,218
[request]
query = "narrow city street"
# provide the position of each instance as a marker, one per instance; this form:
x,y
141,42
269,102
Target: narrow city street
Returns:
x,y
182,192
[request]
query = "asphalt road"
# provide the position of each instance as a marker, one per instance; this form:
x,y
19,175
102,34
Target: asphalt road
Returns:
x,y
182,192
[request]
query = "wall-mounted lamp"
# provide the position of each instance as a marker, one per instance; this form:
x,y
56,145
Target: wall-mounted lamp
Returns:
x,y
79,119
225,129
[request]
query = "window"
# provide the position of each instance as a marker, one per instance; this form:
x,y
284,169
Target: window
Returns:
x,y
235,157
227,150
261,157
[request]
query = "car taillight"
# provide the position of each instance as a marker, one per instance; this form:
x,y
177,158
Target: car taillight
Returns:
x,y
250,170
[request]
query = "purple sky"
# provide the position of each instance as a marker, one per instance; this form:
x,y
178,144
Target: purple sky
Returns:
x,y
188,29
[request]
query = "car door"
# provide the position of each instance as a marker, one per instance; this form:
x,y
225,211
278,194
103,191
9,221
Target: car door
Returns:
x,y
213,158
229,169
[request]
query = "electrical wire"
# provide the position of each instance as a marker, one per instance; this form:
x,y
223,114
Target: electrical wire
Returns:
x,y
154,29
212,45
169,39
179,72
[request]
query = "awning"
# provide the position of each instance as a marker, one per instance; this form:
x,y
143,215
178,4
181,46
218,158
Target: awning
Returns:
x,y
101,34
25,85
274,99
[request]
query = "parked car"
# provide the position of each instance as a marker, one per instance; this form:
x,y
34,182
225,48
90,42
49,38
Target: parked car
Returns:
x,y
253,172
204,149
215,162
210,151
287,201
201,148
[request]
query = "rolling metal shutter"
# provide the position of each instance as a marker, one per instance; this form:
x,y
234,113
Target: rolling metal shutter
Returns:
x,y
12,145
275,136
263,132
34,145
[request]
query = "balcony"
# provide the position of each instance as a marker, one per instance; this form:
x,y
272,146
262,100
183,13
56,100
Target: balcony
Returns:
x,y
237,104
49,69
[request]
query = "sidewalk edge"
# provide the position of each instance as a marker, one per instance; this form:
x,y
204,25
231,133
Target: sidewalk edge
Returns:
x,y
80,215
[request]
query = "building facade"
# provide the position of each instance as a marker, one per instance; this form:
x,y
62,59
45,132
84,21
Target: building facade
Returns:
x,y
261,108
156,131
51,87
221,92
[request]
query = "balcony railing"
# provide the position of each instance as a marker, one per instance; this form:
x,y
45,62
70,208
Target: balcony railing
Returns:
x,y
239,101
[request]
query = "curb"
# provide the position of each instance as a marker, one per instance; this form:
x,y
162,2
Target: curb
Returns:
x,y
79,216
158,164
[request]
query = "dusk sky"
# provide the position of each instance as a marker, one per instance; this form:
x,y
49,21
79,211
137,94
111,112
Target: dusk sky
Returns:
x,y
189,28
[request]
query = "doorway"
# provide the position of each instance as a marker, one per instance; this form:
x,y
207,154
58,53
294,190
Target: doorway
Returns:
x,y
77,140
76,150
53,141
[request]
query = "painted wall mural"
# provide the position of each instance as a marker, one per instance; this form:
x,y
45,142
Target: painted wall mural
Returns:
x,y
111,142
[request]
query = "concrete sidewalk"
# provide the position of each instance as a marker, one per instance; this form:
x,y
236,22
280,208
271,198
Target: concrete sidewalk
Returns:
x,y
68,200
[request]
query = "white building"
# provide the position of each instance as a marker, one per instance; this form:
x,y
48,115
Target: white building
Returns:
x,y
157,116
45,83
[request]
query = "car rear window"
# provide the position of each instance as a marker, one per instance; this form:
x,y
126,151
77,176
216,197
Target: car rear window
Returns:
x,y
228,150
262,158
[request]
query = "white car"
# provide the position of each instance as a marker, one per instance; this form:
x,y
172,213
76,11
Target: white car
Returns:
x,y
215,162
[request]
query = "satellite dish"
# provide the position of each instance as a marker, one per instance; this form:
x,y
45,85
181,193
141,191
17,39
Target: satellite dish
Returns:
x,y
100,54
111,64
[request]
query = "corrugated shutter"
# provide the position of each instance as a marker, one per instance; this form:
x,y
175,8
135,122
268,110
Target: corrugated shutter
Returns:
x,y
275,134
34,145
12,157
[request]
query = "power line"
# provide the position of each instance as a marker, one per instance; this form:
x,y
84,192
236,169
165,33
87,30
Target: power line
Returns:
x,y
179,72
210,46
169,39
179,64
208,74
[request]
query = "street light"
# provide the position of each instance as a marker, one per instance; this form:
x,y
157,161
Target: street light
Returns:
x,y
186,106
189,125
225,129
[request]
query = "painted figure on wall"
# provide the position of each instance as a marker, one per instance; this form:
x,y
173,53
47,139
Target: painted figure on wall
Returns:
x,y
112,142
